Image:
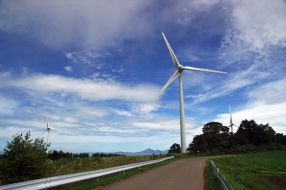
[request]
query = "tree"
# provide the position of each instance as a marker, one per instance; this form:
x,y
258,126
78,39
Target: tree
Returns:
x,y
215,137
25,159
215,128
175,148
256,134
199,144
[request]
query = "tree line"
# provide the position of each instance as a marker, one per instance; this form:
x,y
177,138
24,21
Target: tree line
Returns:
x,y
249,137
56,155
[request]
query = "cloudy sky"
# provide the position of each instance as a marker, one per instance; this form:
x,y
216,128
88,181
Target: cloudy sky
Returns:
x,y
93,68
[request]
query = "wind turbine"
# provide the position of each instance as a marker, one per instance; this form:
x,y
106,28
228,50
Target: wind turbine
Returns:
x,y
231,124
48,129
178,73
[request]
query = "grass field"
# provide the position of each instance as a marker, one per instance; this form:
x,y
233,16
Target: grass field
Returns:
x,y
69,166
263,171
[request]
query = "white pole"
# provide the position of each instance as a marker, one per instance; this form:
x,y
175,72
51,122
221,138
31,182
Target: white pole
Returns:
x,y
182,117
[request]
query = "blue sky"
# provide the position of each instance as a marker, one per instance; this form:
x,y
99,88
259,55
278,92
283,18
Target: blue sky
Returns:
x,y
94,66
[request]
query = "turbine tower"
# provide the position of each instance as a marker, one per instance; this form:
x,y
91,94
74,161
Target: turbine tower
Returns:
x,y
178,73
231,124
48,129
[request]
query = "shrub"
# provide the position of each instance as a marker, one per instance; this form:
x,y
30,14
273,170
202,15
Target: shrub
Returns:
x,y
25,159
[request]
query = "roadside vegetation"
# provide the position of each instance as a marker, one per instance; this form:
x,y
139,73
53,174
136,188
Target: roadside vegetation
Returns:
x,y
69,166
262,170
211,181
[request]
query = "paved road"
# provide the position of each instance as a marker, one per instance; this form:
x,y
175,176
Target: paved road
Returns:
x,y
178,175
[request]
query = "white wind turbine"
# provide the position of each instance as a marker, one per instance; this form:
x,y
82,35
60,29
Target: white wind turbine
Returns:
x,y
48,129
180,68
231,124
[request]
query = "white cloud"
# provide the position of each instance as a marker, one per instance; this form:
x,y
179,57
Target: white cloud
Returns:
x,y
141,108
88,24
117,71
68,68
92,112
122,112
260,23
85,57
255,29
83,88
164,123
7,106
270,93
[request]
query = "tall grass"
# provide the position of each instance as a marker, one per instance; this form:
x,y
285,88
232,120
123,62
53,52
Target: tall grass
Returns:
x,y
69,166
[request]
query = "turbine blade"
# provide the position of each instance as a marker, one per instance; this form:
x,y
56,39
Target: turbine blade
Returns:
x,y
174,58
173,77
42,133
53,128
204,70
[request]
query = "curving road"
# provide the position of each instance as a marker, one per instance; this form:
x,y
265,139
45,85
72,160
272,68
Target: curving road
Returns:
x,y
181,175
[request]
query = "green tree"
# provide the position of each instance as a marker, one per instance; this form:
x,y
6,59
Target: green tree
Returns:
x,y
256,134
215,128
215,137
175,148
25,159
199,144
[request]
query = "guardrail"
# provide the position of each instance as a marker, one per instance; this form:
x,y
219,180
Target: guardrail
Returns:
x,y
221,177
49,182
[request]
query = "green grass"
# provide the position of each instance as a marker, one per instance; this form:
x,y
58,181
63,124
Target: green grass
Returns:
x,y
264,170
212,182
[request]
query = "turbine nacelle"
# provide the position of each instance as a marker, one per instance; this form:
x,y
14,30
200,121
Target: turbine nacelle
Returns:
x,y
180,68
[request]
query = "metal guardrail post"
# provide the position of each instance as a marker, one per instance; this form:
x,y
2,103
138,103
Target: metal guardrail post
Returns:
x,y
221,177
45,183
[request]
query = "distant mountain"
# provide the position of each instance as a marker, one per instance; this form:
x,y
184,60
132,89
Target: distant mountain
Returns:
x,y
1,152
148,151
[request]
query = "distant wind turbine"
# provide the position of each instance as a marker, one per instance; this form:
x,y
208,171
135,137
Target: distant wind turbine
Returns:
x,y
231,124
48,129
180,68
